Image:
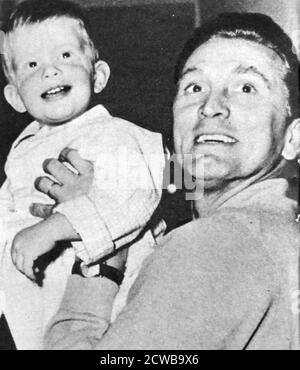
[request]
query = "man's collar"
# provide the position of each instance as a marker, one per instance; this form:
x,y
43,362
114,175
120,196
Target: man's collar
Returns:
x,y
269,194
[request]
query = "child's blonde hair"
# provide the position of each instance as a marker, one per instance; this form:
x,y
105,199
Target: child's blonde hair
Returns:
x,y
31,12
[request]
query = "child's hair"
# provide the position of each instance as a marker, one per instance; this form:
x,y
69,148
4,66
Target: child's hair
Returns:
x,y
31,12
254,27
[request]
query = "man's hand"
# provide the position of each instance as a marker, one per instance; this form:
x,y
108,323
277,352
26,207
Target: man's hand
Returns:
x,y
28,245
69,184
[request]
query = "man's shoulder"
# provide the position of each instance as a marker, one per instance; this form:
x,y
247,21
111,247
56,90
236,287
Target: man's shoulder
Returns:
x,y
227,223
212,255
237,225
225,239
240,240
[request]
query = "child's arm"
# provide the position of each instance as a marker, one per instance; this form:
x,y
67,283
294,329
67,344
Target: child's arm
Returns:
x,y
117,207
36,240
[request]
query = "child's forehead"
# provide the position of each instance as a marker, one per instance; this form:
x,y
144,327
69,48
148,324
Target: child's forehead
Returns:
x,y
59,29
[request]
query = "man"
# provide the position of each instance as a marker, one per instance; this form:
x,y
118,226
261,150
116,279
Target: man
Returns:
x,y
227,279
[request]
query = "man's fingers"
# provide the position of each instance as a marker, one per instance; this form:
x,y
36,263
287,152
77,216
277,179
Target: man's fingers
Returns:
x,y
72,156
41,210
47,186
58,170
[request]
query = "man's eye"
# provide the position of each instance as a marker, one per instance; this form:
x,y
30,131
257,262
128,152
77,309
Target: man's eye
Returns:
x,y
193,89
32,65
248,89
66,55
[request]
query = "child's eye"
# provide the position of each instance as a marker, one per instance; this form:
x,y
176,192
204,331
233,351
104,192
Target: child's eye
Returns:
x,y
32,65
66,55
193,89
248,89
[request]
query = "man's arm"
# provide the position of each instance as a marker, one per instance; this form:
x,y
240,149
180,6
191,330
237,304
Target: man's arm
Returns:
x,y
84,314
209,287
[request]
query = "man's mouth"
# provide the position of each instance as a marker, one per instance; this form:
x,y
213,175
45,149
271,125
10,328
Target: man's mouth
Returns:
x,y
214,139
55,92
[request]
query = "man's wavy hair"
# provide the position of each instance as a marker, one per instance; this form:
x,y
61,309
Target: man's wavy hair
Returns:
x,y
254,27
32,12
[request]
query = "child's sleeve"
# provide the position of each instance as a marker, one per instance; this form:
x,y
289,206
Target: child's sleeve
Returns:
x,y
10,220
126,191
5,199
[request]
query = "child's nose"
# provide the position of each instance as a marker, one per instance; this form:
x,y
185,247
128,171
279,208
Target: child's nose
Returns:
x,y
50,71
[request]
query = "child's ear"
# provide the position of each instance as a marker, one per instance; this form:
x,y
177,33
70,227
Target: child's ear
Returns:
x,y
102,73
292,141
13,98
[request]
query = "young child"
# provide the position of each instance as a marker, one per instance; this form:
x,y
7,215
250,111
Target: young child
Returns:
x,y
52,68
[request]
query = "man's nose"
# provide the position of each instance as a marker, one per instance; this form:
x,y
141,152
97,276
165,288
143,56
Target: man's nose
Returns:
x,y
215,105
50,71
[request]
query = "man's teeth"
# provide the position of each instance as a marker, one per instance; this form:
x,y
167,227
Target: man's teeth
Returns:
x,y
215,139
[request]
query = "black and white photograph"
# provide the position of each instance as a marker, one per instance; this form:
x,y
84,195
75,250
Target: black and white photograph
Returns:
x,y
150,177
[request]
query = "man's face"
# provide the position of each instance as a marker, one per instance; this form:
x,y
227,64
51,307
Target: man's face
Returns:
x,y
52,70
230,111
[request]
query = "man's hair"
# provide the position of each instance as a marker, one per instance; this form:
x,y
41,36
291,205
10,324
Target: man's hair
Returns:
x,y
254,27
32,12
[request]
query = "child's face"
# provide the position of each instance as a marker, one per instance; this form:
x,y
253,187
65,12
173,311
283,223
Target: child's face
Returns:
x,y
53,73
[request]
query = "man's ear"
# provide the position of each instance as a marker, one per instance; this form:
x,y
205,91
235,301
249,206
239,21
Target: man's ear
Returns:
x,y
13,98
291,147
102,73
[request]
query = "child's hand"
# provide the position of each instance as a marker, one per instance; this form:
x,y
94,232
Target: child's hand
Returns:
x,y
28,245
36,240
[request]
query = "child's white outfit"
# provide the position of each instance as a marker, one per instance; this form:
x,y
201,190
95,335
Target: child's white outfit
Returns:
x,y
128,163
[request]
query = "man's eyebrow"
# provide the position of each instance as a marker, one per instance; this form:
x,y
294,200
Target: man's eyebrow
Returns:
x,y
187,71
252,69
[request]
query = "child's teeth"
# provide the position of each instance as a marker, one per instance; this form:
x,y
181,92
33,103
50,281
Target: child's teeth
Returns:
x,y
55,91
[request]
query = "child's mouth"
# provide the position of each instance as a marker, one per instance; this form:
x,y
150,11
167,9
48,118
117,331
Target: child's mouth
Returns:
x,y
55,92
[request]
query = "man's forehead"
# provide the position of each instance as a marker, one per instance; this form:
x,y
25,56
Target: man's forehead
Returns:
x,y
235,56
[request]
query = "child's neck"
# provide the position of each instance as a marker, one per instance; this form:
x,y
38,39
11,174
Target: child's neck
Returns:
x,y
64,122
52,125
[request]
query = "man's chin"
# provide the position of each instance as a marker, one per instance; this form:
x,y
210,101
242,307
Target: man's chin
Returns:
x,y
213,183
212,177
